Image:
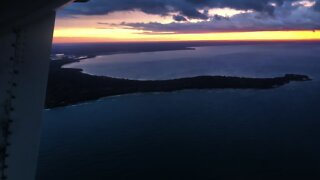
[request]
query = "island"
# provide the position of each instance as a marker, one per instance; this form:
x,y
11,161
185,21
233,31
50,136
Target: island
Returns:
x,y
68,86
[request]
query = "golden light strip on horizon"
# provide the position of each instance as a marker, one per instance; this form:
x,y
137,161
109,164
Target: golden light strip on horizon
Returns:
x,y
257,35
87,29
114,35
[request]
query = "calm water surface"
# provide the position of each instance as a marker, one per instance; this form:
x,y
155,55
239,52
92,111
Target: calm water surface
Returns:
x,y
194,134
242,60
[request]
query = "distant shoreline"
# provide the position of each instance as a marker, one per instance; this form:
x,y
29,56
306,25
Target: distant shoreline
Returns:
x,y
68,86
95,49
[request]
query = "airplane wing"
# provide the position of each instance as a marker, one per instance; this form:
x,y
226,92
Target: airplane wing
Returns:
x,y
26,29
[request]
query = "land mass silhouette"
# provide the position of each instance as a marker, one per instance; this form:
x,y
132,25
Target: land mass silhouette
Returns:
x,y
68,86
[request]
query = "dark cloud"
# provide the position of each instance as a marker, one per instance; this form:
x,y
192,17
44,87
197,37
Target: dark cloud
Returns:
x,y
187,8
262,14
297,18
192,13
179,18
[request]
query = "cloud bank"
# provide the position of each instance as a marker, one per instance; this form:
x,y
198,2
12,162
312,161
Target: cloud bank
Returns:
x,y
261,15
284,18
187,8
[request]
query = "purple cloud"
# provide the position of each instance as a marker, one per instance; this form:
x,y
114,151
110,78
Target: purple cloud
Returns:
x,y
286,17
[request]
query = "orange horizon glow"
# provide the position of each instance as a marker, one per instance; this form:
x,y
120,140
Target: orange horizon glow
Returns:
x,y
106,28
82,35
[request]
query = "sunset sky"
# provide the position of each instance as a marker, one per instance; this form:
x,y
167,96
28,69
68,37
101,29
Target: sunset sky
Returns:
x,y
185,20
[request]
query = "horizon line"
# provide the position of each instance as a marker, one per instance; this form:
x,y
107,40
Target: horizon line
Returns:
x,y
199,41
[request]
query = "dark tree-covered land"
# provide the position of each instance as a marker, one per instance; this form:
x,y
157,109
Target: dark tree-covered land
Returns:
x,y
70,86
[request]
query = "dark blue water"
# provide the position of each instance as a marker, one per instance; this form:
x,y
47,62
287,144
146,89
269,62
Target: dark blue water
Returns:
x,y
207,134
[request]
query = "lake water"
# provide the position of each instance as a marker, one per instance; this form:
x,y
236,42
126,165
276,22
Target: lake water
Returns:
x,y
193,134
242,60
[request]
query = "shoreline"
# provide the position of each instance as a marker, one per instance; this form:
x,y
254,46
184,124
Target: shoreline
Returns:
x,y
69,86
108,48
